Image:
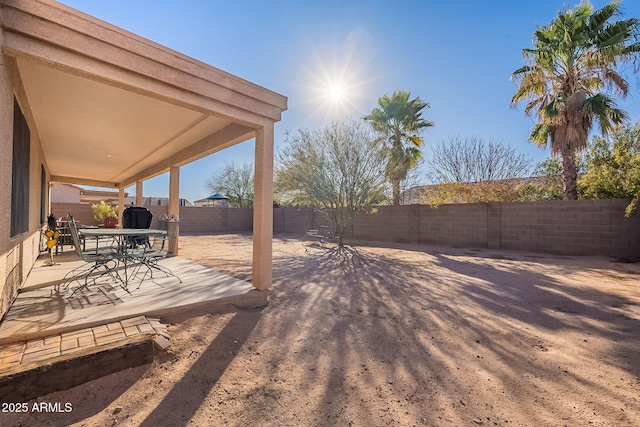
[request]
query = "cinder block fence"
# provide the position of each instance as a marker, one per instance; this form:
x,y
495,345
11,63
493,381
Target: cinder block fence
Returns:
x,y
572,227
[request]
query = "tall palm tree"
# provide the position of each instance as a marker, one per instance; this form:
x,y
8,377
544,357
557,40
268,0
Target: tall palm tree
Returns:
x,y
568,79
400,121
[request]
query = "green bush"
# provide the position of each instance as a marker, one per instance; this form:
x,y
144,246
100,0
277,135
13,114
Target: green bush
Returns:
x,y
104,210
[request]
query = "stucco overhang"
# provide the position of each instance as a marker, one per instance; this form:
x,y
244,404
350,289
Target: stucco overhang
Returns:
x,y
111,108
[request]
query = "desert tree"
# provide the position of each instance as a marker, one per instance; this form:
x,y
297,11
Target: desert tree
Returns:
x,y
475,159
399,120
235,182
546,182
340,169
474,170
571,79
613,167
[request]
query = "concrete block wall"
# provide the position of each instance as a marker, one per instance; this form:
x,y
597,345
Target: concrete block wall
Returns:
x,y
157,212
572,227
398,224
579,227
463,225
215,220
82,212
294,221
454,225
192,219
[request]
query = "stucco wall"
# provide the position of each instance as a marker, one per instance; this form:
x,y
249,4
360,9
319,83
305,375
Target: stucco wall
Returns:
x,y
7,255
18,253
65,194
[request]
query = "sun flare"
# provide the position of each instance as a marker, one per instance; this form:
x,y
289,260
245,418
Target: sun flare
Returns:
x,y
336,92
336,80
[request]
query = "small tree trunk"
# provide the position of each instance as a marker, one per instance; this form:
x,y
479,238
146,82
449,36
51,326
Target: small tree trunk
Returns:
x,y
396,192
569,175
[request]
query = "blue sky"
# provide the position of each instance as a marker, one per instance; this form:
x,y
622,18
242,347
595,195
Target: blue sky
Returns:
x,y
457,55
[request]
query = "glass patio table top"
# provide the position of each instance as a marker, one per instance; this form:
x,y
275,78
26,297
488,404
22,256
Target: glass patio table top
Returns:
x,y
115,232
125,248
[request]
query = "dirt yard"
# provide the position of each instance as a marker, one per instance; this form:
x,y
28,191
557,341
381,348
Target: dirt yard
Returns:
x,y
401,335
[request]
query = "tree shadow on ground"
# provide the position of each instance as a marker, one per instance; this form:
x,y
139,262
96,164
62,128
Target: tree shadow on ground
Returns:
x,y
88,401
183,401
418,321
417,332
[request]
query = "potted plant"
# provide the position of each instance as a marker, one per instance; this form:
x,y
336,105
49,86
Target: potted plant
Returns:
x,y
106,214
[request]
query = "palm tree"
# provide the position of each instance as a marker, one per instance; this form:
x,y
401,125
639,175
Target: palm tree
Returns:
x,y
568,77
400,121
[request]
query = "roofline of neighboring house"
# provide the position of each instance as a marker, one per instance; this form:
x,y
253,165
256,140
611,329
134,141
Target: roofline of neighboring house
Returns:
x,y
524,179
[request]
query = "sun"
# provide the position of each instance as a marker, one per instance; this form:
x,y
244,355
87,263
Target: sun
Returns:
x,y
336,92
334,78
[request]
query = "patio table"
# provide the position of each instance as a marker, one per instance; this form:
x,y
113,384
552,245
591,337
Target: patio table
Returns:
x,y
122,238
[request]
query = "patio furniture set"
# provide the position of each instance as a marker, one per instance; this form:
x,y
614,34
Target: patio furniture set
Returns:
x,y
121,254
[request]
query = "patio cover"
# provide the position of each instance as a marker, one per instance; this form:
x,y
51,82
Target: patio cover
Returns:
x,y
113,109
217,196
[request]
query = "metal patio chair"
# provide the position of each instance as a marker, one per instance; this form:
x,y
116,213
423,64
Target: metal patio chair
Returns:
x,y
156,248
99,261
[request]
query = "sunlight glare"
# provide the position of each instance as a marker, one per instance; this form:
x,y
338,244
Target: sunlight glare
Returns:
x,y
336,93
336,81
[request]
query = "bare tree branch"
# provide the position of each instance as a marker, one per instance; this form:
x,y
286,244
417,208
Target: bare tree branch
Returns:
x,y
235,182
474,160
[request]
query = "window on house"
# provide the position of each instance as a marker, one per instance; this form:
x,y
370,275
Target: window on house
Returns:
x,y
20,172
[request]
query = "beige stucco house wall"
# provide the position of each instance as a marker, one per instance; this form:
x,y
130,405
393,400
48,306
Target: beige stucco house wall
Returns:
x,y
108,108
65,193
69,193
17,253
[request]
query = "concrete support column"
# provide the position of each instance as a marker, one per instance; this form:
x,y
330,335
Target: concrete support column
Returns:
x,y
139,193
120,205
174,201
263,209
49,190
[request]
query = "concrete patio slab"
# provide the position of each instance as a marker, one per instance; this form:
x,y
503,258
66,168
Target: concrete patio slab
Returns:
x,y
44,307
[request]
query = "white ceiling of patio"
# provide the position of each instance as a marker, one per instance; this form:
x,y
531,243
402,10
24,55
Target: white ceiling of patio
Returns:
x,y
91,129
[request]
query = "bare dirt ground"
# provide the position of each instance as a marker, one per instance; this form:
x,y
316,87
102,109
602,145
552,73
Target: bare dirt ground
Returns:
x,y
397,335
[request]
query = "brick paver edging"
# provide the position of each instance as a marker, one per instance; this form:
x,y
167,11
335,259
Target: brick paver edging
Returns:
x,y
18,356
